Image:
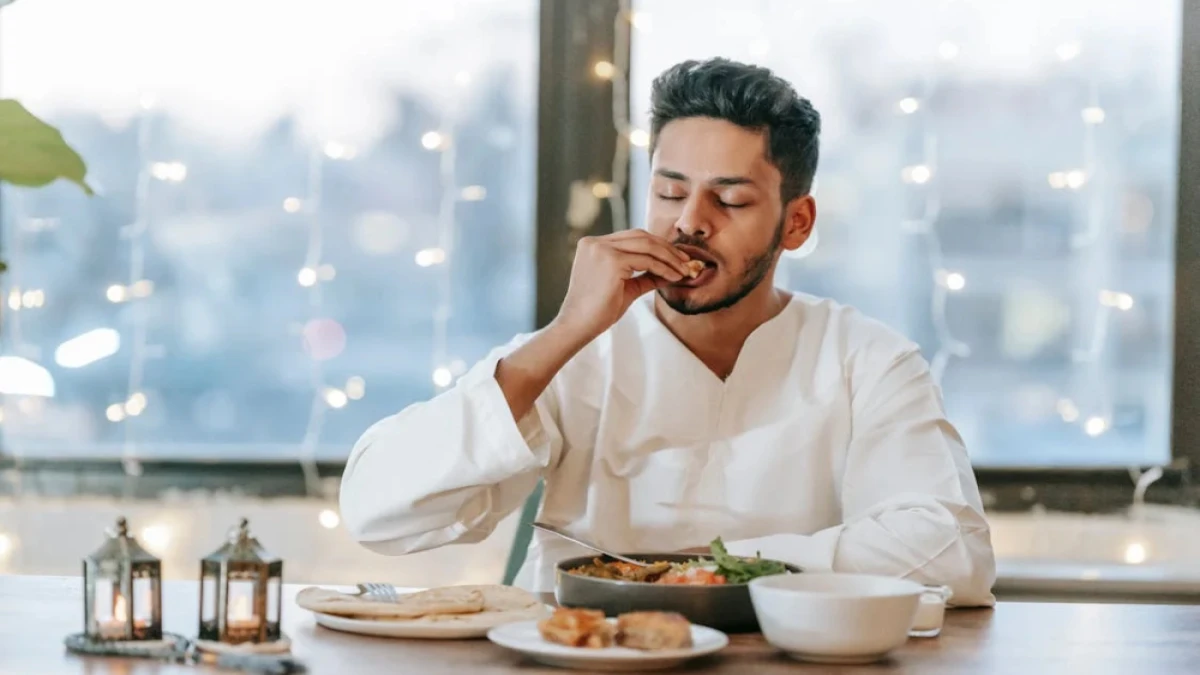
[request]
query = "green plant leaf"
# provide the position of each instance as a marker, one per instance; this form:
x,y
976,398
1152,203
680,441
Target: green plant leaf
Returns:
x,y
33,153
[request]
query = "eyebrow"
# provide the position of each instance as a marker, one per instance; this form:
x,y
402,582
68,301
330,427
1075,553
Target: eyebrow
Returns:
x,y
720,180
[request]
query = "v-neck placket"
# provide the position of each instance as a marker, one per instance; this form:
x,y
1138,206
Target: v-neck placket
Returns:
x,y
762,356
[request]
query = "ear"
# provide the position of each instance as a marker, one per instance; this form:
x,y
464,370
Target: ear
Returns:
x,y
799,216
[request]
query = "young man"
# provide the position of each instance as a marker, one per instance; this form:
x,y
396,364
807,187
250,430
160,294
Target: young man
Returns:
x,y
664,409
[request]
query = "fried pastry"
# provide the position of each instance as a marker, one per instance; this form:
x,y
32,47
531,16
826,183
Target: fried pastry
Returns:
x,y
653,631
577,628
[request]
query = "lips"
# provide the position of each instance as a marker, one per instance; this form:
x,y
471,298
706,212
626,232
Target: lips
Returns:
x,y
697,254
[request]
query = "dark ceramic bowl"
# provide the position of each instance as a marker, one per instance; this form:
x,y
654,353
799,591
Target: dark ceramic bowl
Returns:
x,y
726,608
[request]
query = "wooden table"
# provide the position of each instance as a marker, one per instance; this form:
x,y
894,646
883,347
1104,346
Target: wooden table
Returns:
x,y
1019,638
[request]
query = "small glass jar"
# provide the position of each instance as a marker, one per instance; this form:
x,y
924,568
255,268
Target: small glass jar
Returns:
x,y
931,612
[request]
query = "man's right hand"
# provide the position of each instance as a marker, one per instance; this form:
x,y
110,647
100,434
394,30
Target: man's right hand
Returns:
x,y
609,273
612,271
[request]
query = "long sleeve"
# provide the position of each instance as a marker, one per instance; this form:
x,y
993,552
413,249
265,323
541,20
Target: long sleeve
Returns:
x,y
910,504
449,469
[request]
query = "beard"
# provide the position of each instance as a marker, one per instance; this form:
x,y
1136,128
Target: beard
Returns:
x,y
756,269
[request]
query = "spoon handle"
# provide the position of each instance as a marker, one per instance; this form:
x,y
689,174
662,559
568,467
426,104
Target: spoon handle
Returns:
x,y
554,530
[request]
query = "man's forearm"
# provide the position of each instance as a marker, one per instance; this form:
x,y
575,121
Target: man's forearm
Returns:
x,y
524,374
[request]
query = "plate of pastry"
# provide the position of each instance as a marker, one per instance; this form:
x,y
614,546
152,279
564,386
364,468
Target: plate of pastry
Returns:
x,y
447,613
586,639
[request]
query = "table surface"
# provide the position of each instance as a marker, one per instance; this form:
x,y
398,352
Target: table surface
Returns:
x,y
37,612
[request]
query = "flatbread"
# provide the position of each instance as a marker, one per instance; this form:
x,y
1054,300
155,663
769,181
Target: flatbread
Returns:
x,y
498,598
433,602
694,268
484,620
478,606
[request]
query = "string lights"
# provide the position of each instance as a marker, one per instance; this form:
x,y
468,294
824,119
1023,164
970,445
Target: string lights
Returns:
x,y
1093,371
138,288
442,142
320,334
924,175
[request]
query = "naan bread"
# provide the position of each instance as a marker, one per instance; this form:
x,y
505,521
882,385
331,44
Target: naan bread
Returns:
x,y
484,620
433,602
483,606
505,598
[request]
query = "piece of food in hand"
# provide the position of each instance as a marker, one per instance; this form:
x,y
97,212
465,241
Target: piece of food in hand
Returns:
x,y
694,268
578,628
653,631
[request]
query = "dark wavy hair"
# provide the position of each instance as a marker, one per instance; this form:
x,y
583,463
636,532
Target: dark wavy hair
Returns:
x,y
751,97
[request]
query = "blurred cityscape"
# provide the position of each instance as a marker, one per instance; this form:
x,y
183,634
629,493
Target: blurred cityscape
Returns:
x,y
269,256
1000,175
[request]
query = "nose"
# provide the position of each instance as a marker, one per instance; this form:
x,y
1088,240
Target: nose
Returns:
x,y
694,220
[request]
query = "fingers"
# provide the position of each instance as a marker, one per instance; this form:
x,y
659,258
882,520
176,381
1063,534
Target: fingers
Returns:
x,y
633,263
636,234
642,285
653,246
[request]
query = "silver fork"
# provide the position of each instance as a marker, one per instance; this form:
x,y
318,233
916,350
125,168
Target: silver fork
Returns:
x,y
380,592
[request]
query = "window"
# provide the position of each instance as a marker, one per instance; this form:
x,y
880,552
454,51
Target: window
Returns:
x,y
310,215
998,183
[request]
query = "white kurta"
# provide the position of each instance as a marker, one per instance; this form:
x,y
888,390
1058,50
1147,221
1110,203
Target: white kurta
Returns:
x,y
827,446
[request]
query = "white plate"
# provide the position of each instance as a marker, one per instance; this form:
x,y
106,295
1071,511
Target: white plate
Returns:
x,y
524,637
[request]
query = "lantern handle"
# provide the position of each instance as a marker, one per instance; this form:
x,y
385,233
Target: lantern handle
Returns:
x,y
242,531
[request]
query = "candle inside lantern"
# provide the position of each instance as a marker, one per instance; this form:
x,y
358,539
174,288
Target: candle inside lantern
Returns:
x,y
242,623
114,628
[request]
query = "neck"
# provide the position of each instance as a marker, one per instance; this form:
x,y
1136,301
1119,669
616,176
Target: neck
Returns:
x,y
716,338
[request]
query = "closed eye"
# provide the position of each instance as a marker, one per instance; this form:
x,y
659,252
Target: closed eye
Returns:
x,y
670,198
732,206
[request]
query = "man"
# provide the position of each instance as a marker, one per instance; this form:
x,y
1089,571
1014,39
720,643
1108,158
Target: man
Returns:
x,y
664,410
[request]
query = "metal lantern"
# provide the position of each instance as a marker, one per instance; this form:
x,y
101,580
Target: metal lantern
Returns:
x,y
122,590
240,586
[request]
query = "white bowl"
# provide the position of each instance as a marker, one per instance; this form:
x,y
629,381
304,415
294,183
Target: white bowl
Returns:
x,y
835,618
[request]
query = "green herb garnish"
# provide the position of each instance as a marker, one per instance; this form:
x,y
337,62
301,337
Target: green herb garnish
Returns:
x,y
741,570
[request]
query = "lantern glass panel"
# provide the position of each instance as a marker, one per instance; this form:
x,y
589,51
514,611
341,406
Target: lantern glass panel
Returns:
x,y
273,599
105,595
208,597
143,600
210,575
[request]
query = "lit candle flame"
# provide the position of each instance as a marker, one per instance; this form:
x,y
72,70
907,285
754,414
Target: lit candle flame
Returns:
x,y
119,610
240,609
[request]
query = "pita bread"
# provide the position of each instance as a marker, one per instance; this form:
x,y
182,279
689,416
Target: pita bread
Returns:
x,y
482,606
505,598
484,620
433,602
